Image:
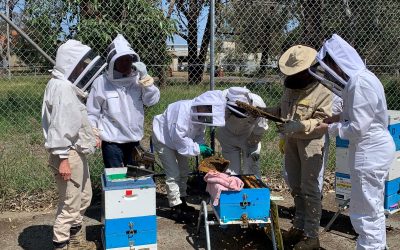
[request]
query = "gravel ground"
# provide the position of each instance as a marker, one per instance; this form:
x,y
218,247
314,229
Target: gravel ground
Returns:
x,y
32,230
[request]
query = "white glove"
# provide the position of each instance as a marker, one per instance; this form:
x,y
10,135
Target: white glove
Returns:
x,y
254,152
292,127
140,68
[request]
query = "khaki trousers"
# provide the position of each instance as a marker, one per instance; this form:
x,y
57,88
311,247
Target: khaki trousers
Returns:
x,y
303,163
73,201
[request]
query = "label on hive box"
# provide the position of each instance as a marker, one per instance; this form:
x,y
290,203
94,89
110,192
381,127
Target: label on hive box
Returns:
x,y
342,186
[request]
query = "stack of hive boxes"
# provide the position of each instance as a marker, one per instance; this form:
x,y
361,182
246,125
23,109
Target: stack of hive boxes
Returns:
x,y
392,184
128,211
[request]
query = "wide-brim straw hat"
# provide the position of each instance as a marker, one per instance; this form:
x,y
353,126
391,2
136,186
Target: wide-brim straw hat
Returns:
x,y
296,59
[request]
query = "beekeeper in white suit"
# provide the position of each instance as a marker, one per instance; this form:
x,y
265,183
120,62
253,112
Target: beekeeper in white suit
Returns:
x,y
69,138
116,103
364,123
240,139
178,134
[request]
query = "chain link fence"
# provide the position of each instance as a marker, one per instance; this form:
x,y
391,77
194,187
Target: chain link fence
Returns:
x,y
172,37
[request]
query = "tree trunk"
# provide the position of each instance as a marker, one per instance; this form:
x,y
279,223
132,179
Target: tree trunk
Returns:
x,y
263,61
192,43
313,34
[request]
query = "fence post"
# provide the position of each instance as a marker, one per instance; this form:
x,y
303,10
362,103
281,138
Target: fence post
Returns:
x,y
8,42
212,64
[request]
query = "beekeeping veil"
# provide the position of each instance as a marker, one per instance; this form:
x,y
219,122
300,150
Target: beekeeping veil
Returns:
x,y
78,64
346,58
118,48
209,109
238,94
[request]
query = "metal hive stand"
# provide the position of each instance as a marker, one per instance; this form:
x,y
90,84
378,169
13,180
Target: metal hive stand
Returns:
x,y
204,213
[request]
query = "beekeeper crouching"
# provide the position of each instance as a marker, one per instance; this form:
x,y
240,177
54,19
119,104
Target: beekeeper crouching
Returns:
x,y
241,136
178,134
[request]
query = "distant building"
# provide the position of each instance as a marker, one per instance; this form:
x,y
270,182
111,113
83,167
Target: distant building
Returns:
x,y
227,57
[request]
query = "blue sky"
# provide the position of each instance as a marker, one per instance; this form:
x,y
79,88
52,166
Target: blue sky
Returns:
x,y
201,24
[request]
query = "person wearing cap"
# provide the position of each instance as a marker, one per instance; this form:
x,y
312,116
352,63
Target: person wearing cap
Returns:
x,y
240,139
304,104
364,123
116,104
69,139
178,134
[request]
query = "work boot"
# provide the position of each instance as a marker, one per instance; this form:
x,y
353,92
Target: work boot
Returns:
x,y
294,235
185,207
77,240
177,213
60,245
308,243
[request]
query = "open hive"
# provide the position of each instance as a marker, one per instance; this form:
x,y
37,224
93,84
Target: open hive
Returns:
x,y
214,163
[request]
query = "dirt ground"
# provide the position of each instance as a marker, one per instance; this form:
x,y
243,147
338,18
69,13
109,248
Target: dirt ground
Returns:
x,y
33,230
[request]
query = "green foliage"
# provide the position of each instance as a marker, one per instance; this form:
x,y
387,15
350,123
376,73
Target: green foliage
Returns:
x,y
96,23
141,22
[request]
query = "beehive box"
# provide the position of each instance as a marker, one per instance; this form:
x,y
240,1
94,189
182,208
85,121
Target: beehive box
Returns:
x,y
128,211
250,203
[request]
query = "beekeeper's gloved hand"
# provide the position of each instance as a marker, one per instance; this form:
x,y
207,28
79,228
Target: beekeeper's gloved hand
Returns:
x,y
291,127
144,79
140,68
205,150
254,152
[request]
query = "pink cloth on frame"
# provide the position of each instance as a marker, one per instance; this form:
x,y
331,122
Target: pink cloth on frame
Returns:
x,y
218,182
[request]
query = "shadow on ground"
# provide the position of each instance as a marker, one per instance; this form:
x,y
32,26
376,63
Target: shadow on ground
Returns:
x,y
38,237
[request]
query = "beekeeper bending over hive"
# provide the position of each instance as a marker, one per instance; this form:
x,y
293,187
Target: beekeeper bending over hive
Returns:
x,y
178,134
240,139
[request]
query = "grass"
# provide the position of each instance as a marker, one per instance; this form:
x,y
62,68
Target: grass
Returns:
x,y
23,159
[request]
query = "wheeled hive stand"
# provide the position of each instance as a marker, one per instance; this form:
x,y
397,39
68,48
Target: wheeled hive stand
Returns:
x,y
250,206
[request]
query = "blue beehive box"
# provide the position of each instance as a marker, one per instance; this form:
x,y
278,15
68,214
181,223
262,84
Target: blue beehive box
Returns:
x,y
341,143
254,203
393,127
128,211
392,194
395,132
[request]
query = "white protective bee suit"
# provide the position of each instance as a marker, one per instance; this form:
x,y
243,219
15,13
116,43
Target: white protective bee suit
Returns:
x,y
116,103
371,151
68,133
240,139
177,134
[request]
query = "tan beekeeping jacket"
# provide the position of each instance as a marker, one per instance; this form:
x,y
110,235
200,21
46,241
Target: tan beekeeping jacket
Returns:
x,y
309,105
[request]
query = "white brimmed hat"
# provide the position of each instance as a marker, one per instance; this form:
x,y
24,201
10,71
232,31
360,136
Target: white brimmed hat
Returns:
x,y
296,59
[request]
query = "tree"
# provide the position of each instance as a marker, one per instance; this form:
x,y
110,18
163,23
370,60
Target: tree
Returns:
x,y
255,27
189,14
97,22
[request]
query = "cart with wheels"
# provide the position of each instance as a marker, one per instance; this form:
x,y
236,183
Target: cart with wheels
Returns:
x,y
247,207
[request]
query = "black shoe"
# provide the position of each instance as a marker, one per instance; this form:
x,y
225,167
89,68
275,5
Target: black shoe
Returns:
x,y
60,245
293,236
186,207
177,213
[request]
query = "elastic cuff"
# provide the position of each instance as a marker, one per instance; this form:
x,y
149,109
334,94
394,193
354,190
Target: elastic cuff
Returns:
x,y
75,230
175,202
